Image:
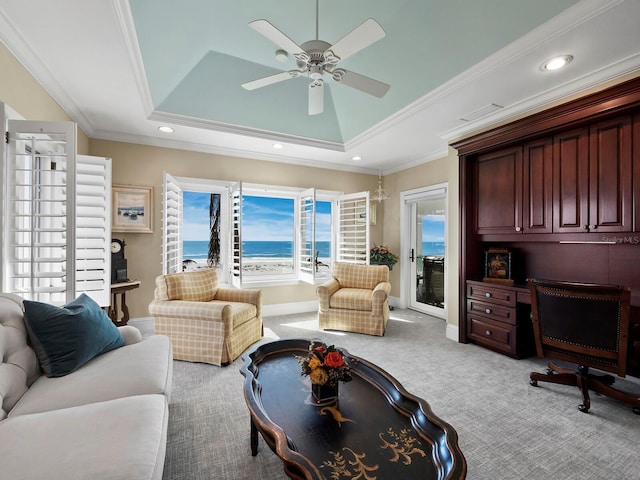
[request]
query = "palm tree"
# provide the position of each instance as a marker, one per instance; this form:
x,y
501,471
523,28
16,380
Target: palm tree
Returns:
x,y
213,255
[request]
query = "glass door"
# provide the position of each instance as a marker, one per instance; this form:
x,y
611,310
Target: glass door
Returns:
x,y
428,251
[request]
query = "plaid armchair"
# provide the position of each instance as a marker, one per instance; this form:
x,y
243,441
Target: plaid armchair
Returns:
x,y
206,323
355,299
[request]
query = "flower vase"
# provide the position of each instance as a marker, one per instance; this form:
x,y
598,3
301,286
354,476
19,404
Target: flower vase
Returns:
x,y
324,394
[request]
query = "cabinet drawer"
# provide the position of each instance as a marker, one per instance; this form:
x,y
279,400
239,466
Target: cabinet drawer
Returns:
x,y
495,335
490,293
492,311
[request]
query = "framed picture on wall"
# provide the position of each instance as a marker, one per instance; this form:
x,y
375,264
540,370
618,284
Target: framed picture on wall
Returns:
x,y
497,266
132,209
361,213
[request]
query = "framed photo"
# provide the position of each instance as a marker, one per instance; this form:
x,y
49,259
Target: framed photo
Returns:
x,y
360,212
132,209
497,266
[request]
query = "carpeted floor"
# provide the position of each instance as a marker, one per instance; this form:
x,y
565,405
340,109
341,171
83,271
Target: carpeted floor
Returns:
x,y
507,429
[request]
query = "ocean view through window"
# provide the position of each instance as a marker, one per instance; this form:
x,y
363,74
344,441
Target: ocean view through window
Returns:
x,y
268,234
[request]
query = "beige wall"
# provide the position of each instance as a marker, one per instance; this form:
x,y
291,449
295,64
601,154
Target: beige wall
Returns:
x,y
20,91
144,165
443,170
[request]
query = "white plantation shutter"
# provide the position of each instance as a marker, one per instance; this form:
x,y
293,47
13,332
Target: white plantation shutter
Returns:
x,y
171,226
353,228
39,211
236,235
93,228
307,235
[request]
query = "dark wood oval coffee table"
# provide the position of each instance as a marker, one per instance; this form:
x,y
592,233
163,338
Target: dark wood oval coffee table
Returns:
x,y
376,430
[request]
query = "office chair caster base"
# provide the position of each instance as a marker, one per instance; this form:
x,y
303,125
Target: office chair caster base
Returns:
x,y
533,383
583,409
636,410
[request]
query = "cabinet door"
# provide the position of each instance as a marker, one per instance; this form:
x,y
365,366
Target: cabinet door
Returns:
x,y
636,173
610,176
571,181
498,193
537,197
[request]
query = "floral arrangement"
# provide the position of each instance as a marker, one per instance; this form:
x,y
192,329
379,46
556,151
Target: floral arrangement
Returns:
x,y
325,365
381,255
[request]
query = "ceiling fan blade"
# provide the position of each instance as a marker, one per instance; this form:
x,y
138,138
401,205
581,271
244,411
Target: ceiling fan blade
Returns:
x,y
280,39
316,97
271,79
361,82
362,36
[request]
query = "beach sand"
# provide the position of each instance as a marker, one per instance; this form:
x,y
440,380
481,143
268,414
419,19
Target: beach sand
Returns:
x,y
260,266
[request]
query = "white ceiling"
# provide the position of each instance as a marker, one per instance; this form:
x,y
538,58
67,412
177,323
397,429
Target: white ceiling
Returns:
x,y
122,68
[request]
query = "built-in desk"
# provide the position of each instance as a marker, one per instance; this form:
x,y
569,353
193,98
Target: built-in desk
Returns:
x,y
498,317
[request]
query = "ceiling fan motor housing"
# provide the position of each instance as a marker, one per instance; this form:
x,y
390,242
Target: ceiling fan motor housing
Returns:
x,y
317,62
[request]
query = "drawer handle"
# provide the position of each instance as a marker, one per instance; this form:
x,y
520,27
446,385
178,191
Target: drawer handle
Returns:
x,y
488,310
487,333
488,295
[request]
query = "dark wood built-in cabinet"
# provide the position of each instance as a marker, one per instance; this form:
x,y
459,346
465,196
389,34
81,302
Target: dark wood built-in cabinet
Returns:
x,y
561,191
592,178
498,318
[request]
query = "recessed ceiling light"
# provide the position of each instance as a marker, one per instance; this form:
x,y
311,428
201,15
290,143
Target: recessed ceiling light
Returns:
x,y
278,146
556,63
166,129
356,158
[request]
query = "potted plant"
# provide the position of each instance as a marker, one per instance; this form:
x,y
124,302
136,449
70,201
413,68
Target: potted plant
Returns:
x,y
381,255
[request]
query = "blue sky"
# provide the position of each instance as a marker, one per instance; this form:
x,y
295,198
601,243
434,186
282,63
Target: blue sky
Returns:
x,y
265,218
433,228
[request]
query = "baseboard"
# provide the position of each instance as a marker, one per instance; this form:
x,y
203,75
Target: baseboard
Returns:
x,y
289,308
453,332
395,302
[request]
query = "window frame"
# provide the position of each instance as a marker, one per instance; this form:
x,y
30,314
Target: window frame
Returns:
x,y
233,233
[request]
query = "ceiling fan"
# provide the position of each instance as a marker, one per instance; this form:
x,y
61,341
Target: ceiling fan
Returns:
x,y
317,57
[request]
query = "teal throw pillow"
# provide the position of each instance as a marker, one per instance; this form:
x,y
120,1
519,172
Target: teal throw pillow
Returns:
x,y
65,338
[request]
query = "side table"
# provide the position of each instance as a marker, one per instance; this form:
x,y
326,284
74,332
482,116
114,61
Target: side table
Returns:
x,y
121,289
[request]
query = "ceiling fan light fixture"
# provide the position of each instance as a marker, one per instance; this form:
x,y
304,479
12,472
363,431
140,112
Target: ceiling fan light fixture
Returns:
x,y
556,63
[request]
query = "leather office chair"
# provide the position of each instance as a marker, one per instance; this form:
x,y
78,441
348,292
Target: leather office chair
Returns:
x,y
584,324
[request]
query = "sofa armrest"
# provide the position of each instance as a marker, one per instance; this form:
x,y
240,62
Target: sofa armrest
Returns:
x,y
130,334
325,291
242,295
380,294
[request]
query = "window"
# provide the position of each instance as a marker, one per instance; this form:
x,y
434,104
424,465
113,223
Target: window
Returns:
x,y
266,234
56,209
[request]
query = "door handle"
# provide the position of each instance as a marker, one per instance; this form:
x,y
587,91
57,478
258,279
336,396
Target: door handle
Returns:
x,y
413,257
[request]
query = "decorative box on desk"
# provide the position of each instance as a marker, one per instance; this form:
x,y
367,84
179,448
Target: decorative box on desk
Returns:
x,y
498,317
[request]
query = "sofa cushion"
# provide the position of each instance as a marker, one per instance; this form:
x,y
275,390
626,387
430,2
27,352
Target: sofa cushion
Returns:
x,y
198,286
241,312
65,338
352,299
141,368
123,439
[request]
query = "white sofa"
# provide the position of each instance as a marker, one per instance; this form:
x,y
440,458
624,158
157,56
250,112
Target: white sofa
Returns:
x,y
106,420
